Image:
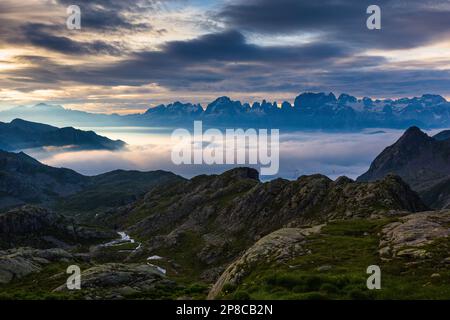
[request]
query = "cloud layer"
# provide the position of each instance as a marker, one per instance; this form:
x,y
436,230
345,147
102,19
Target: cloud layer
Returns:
x,y
301,153
195,50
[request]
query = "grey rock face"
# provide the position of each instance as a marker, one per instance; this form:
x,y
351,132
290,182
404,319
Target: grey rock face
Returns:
x,y
17,263
278,246
421,161
220,216
117,280
42,228
412,233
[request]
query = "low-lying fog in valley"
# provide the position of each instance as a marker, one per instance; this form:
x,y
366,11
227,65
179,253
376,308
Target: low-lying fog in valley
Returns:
x,y
330,153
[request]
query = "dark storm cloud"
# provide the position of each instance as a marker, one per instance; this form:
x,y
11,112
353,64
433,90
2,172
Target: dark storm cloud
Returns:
x,y
404,23
227,62
109,15
104,17
232,46
39,35
212,61
211,58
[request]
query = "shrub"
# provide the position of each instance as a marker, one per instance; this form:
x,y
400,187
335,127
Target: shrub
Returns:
x,y
241,295
329,288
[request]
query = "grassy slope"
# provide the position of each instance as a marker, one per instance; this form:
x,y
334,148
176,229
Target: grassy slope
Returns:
x,y
349,247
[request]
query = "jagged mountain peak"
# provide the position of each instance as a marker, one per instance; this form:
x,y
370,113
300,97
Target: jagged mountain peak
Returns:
x,y
433,98
345,98
243,173
311,110
418,159
311,99
413,135
222,99
47,106
225,106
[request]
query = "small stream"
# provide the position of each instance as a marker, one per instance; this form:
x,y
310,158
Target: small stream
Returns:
x,y
125,238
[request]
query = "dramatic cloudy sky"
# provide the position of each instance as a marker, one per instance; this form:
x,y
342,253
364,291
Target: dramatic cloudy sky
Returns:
x,y
133,54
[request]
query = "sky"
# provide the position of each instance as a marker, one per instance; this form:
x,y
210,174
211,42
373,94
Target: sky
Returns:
x,y
130,55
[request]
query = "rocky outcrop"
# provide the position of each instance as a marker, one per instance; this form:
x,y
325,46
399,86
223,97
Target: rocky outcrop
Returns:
x,y
219,216
411,234
117,281
310,110
421,161
42,228
278,246
17,263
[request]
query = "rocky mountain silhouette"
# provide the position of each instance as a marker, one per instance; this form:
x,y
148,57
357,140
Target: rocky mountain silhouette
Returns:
x,y
309,111
422,161
24,180
20,134
212,219
247,237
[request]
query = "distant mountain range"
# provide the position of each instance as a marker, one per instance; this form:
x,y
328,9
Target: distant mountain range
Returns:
x,y
422,161
310,111
20,134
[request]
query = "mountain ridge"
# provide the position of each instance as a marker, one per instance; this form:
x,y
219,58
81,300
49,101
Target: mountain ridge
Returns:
x,y
309,110
213,218
20,134
422,161
24,180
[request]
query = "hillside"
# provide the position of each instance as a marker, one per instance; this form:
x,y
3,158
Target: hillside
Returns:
x,y
207,221
20,134
330,261
422,161
311,238
24,180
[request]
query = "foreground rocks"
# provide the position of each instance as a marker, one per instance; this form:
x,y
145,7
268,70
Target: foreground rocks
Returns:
x,y
42,228
411,234
118,280
211,220
279,246
18,263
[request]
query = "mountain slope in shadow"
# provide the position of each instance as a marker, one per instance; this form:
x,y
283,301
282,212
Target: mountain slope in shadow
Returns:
x,y
24,180
20,134
422,161
205,222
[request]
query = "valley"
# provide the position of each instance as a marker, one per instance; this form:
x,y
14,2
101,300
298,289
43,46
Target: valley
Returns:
x,y
156,235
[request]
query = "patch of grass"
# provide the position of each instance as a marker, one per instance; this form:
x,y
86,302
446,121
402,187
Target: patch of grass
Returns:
x,y
184,254
40,285
347,248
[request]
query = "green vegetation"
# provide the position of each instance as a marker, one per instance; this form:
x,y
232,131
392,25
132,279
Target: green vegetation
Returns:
x,y
336,269
112,190
184,255
40,286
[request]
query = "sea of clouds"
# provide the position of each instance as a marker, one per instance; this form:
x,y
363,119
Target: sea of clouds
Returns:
x,y
333,154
